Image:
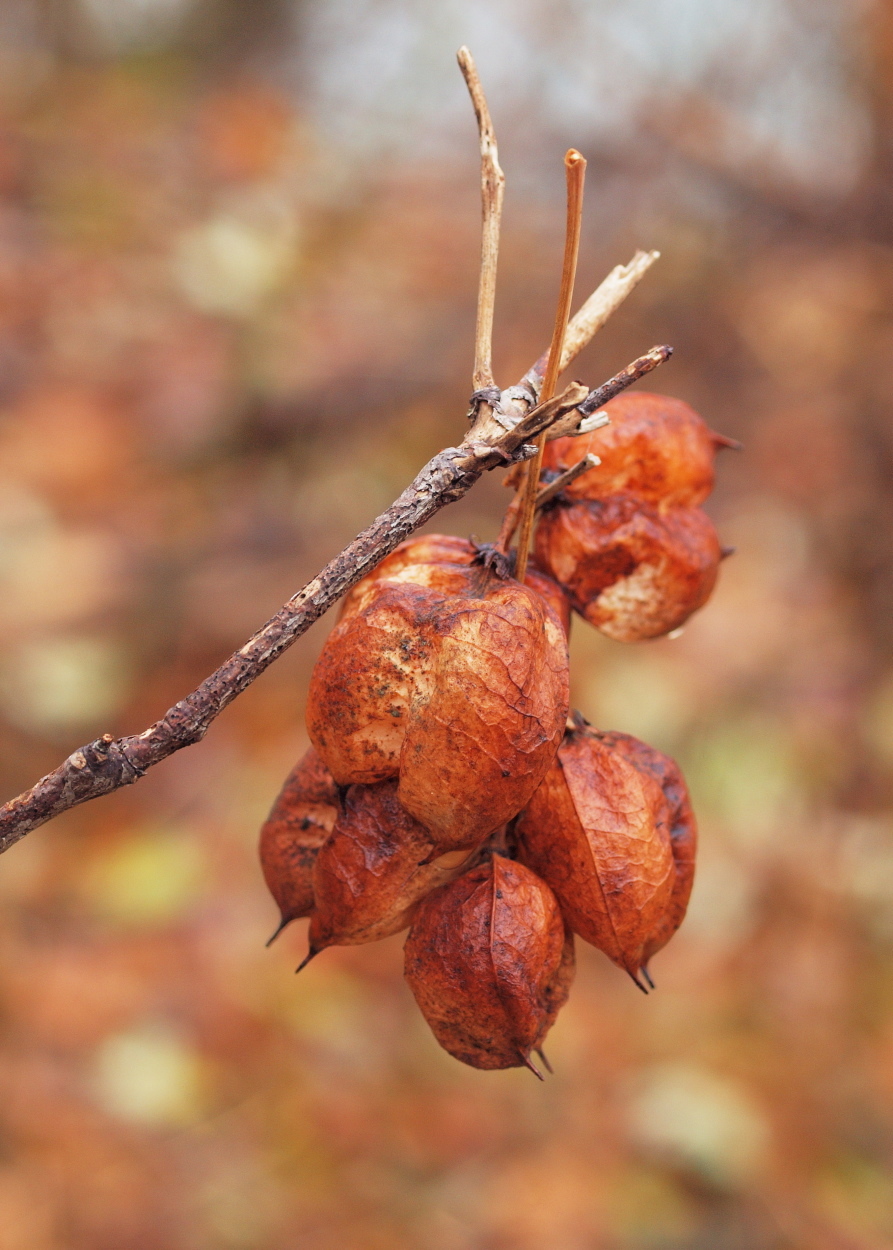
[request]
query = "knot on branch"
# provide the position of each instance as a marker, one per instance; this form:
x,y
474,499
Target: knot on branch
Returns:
x,y
107,754
491,395
523,392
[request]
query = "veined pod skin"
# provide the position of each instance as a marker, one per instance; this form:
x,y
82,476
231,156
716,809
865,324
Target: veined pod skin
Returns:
x,y
489,962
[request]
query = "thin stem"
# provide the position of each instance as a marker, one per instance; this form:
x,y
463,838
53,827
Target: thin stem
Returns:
x,y
509,525
564,479
601,395
512,512
492,191
575,171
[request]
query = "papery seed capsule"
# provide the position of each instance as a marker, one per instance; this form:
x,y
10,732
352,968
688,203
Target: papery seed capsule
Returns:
x,y
631,571
489,963
370,874
682,824
464,697
300,821
479,740
597,832
655,448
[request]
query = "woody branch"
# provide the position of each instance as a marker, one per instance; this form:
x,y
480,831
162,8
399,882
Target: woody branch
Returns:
x,y
503,427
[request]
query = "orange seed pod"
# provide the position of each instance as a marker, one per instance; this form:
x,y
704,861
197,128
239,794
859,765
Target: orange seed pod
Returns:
x,y
630,570
656,448
463,697
489,964
597,832
682,824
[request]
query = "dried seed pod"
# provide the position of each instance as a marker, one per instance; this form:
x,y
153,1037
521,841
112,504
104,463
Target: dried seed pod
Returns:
x,y
597,832
365,681
631,571
369,875
489,964
300,821
464,697
655,447
481,736
682,824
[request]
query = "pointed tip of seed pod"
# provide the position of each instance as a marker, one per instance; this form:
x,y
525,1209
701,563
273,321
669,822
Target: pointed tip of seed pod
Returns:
x,y
725,552
545,1061
647,975
634,977
528,1064
723,440
311,954
286,920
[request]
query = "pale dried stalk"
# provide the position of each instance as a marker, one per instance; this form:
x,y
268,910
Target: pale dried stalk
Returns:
x,y
606,299
492,191
589,319
575,169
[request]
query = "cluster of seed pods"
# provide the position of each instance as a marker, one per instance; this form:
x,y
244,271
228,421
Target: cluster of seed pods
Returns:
x,y
449,790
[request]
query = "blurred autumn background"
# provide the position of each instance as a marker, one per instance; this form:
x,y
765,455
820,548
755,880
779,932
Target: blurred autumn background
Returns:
x,y
238,263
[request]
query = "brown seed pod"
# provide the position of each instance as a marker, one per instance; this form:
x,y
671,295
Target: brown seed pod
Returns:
x,y
300,821
480,738
489,964
631,571
655,448
597,832
369,875
682,824
464,697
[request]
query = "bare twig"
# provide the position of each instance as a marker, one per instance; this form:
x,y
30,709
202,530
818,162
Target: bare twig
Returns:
x,y
492,190
602,394
589,319
556,486
575,169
